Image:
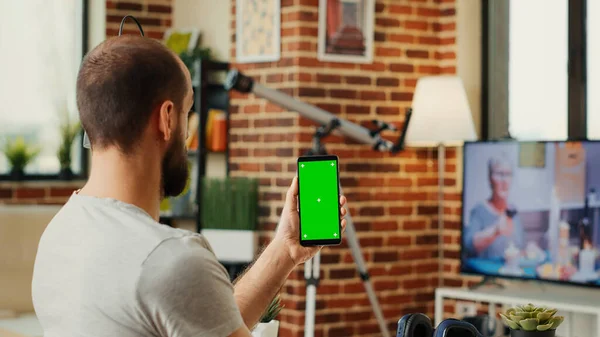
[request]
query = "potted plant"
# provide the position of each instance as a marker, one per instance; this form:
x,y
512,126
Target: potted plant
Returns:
x,y
268,326
229,216
68,131
532,321
19,154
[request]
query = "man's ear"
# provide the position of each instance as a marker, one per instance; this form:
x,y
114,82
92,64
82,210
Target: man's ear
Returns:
x,y
166,120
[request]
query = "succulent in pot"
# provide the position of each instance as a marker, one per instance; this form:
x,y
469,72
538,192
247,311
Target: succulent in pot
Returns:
x,y
531,321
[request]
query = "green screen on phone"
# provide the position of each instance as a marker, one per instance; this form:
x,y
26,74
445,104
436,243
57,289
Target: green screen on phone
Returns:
x,y
319,200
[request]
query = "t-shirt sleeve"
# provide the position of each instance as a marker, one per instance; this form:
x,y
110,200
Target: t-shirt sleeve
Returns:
x,y
184,291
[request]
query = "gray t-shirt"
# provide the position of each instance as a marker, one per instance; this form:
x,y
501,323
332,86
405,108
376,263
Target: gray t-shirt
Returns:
x,y
106,268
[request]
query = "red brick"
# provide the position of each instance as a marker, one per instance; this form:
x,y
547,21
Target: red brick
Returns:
x,y
400,9
29,193
325,78
6,193
273,167
375,66
159,9
343,93
428,70
413,225
385,256
387,22
428,239
423,181
383,51
381,285
342,273
420,54
250,167
427,210
306,62
416,25
274,78
402,68
370,328
447,41
241,124
448,12
386,110
379,7
252,108
358,80
384,225
415,284
341,331
404,38
371,211
129,6
310,3
357,315
353,288
357,109
401,210
448,70
372,95
402,96
333,108
388,82
400,240
428,12
311,92
399,182
371,242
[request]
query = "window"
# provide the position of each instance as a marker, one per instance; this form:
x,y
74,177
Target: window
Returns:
x,y
42,46
593,69
533,53
538,77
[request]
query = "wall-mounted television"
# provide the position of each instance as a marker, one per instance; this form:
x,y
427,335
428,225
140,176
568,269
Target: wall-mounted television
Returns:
x,y
531,210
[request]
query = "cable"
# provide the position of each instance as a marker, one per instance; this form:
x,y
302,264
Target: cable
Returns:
x,y
134,19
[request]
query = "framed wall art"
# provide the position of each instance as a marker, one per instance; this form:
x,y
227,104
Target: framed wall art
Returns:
x,y
258,36
346,30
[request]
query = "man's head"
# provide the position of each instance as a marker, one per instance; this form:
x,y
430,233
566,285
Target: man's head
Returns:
x,y
134,95
500,171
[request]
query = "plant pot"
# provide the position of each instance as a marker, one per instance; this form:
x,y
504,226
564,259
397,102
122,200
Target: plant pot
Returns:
x,y
65,174
270,329
523,333
17,174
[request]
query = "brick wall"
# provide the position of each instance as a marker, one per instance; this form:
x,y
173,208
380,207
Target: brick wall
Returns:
x,y
393,199
155,16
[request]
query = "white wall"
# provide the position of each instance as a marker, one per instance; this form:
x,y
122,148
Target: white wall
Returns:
x,y
212,17
468,40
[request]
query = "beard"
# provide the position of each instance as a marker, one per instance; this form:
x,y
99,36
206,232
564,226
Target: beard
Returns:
x,y
174,169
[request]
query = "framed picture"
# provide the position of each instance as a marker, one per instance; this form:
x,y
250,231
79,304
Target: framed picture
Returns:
x,y
180,40
257,31
346,30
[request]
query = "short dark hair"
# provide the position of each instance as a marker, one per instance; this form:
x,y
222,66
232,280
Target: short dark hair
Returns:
x,y
120,83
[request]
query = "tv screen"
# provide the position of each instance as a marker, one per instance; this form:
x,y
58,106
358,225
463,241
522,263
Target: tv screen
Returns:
x,y
532,210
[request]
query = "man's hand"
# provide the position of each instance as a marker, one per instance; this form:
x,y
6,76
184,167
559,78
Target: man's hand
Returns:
x,y
288,230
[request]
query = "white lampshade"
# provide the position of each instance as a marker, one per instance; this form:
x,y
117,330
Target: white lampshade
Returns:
x,y
440,113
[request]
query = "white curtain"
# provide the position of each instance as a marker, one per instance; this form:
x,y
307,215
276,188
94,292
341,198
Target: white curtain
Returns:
x,y
40,52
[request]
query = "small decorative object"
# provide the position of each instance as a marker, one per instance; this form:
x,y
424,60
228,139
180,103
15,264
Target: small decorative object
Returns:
x,y
181,40
268,326
258,30
19,154
68,132
346,30
531,321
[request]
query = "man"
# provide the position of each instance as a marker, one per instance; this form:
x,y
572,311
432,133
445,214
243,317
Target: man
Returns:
x,y
493,223
105,266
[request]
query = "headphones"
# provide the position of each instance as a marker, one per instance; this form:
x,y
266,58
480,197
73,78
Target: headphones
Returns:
x,y
419,325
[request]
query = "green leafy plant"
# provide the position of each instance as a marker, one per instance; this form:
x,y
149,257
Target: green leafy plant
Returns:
x,y
68,132
272,310
189,57
19,153
531,318
230,203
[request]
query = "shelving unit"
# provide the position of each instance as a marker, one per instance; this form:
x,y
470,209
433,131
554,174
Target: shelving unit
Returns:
x,y
570,302
208,94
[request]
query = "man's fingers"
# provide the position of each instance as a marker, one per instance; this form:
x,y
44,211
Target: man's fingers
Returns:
x,y
293,190
343,225
342,200
343,211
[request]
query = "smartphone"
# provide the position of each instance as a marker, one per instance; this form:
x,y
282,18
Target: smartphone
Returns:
x,y
319,201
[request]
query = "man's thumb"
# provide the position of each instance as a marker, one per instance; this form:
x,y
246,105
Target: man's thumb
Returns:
x,y
292,192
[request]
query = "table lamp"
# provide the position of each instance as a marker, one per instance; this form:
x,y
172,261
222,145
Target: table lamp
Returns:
x,y
440,117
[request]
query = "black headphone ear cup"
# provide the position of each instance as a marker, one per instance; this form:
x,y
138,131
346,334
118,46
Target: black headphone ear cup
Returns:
x,y
418,325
